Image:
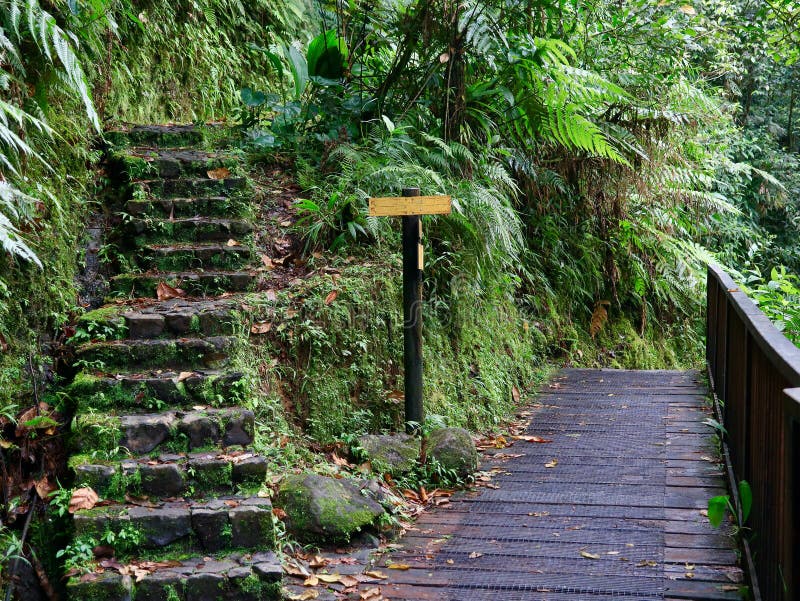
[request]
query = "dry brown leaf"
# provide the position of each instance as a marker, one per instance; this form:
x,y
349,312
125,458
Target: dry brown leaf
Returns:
x,y
261,327
329,578
44,487
599,317
83,498
311,581
348,581
588,555
185,375
475,555
551,463
399,566
233,242
331,297
305,595
515,394
279,513
268,263
376,574
221,173
165,292
532,438
372,594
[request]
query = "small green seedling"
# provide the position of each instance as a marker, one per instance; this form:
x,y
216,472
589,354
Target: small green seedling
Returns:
x,y
719,506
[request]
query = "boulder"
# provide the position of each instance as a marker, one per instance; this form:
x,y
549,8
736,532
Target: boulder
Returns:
x,y
322,509
454,449
394,454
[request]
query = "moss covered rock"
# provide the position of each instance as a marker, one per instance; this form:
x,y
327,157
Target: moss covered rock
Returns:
x,y
322,509
395,454
454,449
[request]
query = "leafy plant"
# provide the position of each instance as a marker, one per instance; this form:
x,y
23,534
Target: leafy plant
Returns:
x,y
719,506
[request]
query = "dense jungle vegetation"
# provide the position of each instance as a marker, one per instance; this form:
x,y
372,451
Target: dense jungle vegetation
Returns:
x,y
599,154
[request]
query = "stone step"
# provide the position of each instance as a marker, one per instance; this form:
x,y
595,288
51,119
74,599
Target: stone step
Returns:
x,y
219,206
188,229
165,136
198,255
233,577
176,317
197,283
184,475
173,163
176,431
184,354
189,186
155,390
207,526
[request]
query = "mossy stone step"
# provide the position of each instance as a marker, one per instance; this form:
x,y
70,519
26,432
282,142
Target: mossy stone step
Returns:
x,y
161,319
188,229
165,136
196,283
186,475
234,577
198,255
155,390
180,431
210,206
182,353
206,526
138,163
190,186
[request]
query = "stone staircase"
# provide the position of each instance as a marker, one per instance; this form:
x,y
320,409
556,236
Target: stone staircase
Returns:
x,y
163,430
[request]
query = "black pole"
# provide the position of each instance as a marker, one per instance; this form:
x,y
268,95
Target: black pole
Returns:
x,y
412,316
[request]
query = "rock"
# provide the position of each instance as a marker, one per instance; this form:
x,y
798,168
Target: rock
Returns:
x,y
200,428
239,427
143,433
95,476
251,524
108,586
162,526
162,480
252,470
209,525
144,325
205,586
327,509
454,449
179,322
159,586
395,454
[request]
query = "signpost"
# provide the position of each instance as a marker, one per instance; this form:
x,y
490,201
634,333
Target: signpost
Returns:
x,y
410,206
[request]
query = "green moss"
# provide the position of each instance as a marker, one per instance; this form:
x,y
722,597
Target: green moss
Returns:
x,y
93,432
215,477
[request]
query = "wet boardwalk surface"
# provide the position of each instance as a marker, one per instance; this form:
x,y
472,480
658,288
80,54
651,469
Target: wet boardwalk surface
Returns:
x,y
610,509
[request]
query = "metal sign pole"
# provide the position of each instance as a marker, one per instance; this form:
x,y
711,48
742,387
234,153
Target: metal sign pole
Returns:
x,y
412,315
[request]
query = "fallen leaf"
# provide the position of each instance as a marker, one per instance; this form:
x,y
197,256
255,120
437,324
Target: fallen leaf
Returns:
x,y
279,513
331,297
552,463
329,578
221,173
450,562
305,595
165,292
44,487
271,295
688,9
233,242
372,594
588,555
83,498
398,566
268,263
376,574
515,394
532,439
475,555
348,581
729,587
185,375
311,581
261,327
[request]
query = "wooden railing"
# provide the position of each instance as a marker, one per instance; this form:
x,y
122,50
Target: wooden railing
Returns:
x,y
756,375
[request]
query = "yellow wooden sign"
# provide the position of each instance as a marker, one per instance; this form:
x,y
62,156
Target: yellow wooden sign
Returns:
x,y
409,205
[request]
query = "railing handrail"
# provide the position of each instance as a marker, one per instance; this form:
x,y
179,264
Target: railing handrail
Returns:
x,y
775,346
755,371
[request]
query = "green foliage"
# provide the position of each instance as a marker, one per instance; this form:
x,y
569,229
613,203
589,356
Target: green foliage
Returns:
x,y
778,298
719,506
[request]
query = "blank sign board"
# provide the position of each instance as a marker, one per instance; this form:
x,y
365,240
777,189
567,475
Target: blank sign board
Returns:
x,y
409,205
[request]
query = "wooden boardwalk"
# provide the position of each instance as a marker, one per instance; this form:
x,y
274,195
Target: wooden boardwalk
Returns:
x,y
610,509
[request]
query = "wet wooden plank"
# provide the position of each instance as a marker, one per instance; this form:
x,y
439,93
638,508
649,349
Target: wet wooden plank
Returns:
x,y
619,516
